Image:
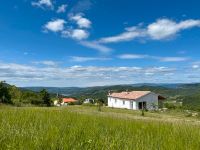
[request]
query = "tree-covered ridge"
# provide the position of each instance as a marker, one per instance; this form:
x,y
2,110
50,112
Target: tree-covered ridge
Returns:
x,y
10,94
186,94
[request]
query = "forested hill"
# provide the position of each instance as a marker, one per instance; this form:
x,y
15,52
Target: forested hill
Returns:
x,y
189,94
164,89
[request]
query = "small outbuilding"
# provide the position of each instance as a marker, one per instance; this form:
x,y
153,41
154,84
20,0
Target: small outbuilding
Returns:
x,y
88,100
135,100
65,101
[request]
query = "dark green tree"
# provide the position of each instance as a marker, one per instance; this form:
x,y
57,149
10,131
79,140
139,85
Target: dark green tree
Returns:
x,y
99,104
45,97
5,96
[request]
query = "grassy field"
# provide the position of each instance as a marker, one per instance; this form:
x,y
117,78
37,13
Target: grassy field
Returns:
x,y
82,127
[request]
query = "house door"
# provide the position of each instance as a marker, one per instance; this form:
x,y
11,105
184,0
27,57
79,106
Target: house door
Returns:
x,y
142,105
131,104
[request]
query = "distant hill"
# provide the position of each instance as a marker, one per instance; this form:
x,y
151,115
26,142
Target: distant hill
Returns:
x,y
166,89
189,94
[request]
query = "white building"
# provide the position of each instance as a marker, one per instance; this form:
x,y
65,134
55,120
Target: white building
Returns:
x,y
134,100
88,100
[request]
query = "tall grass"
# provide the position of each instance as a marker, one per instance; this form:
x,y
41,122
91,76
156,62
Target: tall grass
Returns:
x,y
55,128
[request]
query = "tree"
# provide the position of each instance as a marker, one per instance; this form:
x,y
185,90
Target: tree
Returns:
x,y
5,96
99,104
60,100
45,97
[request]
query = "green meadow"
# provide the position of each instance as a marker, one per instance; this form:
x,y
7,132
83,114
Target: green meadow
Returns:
x,y
83,127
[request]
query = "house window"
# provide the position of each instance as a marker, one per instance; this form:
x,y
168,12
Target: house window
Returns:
x,y
123,102
115,100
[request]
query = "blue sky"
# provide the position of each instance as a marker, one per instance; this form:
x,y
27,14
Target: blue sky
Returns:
x,y
99,42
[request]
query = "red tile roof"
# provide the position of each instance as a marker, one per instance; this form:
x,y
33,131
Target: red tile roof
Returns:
x,y
68,100
133,95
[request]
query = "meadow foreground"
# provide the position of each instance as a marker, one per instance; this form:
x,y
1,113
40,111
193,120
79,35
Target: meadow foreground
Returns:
x,y
82,127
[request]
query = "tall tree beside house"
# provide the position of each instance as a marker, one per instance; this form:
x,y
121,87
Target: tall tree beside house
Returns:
x,y
5,96
45,97
99,104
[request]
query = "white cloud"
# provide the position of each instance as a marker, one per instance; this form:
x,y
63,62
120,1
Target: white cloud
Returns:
x,y
195,66
92,75
55,25
163,59
84,59
46,62
97,46
166,28
62,8
128,35
132,56
162,29
81,21
173,59
43,4
78,34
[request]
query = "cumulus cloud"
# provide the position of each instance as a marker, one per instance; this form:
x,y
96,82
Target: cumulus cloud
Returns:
x,y
77,75
55,25
78,34
84,59
96,46
162,29
91,75
43,4
166,28
62,8
81,21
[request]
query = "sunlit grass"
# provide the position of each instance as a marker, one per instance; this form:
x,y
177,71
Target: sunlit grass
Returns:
x,y
61,128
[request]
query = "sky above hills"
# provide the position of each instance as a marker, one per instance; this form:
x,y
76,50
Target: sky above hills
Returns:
x,y
99,42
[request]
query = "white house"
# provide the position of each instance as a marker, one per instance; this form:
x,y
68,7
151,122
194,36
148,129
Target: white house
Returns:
x,y
88,100
134,100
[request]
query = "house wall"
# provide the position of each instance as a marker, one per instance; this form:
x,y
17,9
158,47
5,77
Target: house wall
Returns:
x,y
118,103
151,102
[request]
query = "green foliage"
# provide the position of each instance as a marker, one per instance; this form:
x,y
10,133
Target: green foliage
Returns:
x,y
45,97
5,96
13,95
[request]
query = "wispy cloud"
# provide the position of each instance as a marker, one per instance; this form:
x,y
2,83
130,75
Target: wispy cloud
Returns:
x,y
162,29
62,8
96,46
46,62
81,6
163,59
128,35
172,59
43,4
84,59
132,56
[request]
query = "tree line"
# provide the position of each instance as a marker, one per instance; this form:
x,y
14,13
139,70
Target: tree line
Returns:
x,y
10,94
